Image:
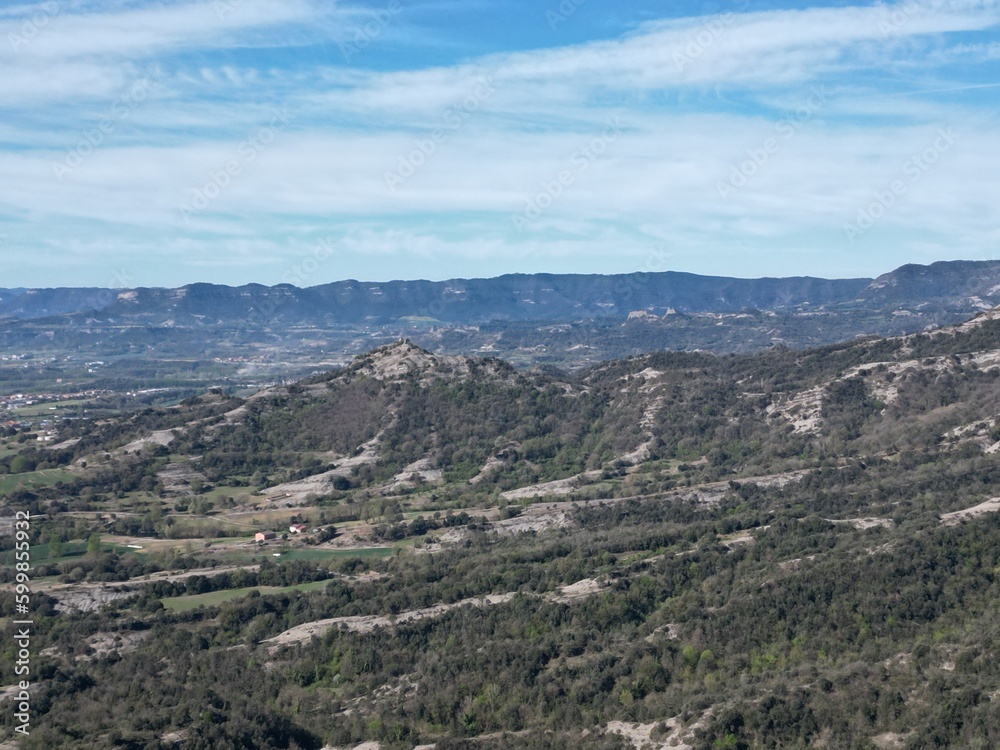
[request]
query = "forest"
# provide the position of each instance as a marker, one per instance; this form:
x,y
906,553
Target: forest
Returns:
x,y
790,549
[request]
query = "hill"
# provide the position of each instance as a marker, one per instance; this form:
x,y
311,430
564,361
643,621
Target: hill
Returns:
x,y
780,549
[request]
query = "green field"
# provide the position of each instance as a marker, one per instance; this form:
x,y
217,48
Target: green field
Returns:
x,y
50,408
310,554
330,554
44,478
40,553
9,449
213,598
208,524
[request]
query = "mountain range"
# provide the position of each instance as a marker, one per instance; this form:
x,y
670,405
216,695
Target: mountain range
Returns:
x,y
958,286
203,333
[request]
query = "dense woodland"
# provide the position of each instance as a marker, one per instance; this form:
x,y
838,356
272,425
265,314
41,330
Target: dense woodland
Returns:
x,y
815,631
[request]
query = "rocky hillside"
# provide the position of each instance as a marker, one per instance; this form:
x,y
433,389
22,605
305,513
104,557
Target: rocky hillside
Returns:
x,y
402,410
786,549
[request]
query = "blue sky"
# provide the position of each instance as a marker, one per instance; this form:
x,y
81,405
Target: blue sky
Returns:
x,y
235,141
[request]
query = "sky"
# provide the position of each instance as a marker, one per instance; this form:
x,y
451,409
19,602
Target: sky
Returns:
x,y
307,141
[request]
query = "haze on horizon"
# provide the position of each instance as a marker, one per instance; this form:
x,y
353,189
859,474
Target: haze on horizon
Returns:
x,y
229,141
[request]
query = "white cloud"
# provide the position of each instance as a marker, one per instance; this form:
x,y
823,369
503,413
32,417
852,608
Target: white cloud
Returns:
x,y
758,50
137,30
697,98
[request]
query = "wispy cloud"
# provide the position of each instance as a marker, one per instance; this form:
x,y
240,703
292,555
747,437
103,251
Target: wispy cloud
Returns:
x,y
80,30
700,100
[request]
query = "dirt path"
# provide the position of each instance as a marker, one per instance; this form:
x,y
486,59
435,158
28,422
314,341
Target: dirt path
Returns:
x,y
555,487
990,506
863,523
367,623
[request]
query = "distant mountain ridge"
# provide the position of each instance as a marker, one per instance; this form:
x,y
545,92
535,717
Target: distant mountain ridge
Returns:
x,y
9,294
938,282
961,286
462,301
